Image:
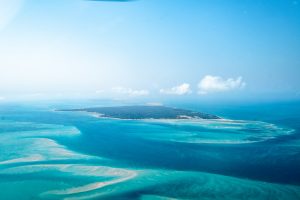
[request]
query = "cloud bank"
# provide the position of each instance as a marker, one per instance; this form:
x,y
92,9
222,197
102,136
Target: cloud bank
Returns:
x,y
177,90
154,104
130,91
210,84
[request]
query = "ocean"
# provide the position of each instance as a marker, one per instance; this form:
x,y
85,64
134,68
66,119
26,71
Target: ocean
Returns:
x,y
252,153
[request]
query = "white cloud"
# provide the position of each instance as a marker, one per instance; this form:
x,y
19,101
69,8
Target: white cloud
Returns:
x,y
154,104
217,84
177,90
130,91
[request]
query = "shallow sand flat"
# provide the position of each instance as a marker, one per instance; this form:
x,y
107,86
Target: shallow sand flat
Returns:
x,y
36,165
24,151
215,131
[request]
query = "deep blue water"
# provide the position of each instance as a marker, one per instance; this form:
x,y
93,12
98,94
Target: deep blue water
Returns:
x,y
64,155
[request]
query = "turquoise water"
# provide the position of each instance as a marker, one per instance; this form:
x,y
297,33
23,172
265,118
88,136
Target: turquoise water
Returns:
x,y
253,154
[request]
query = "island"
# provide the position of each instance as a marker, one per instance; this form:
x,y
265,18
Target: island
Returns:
x,y
145,112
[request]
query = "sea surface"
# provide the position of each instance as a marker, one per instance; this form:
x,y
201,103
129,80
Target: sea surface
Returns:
x,y
252,153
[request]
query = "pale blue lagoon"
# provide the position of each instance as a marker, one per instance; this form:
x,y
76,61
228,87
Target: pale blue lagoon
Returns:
x,y
253,152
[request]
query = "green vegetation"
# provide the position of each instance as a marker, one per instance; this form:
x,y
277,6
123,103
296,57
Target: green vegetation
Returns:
x,y
146,112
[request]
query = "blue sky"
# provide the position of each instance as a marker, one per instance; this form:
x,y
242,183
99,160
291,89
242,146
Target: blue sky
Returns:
x,y
169,48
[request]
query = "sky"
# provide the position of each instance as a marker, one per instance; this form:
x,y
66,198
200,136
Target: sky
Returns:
x,y
150,48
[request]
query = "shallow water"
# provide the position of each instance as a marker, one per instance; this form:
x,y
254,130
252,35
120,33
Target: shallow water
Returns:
x,y
65,155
